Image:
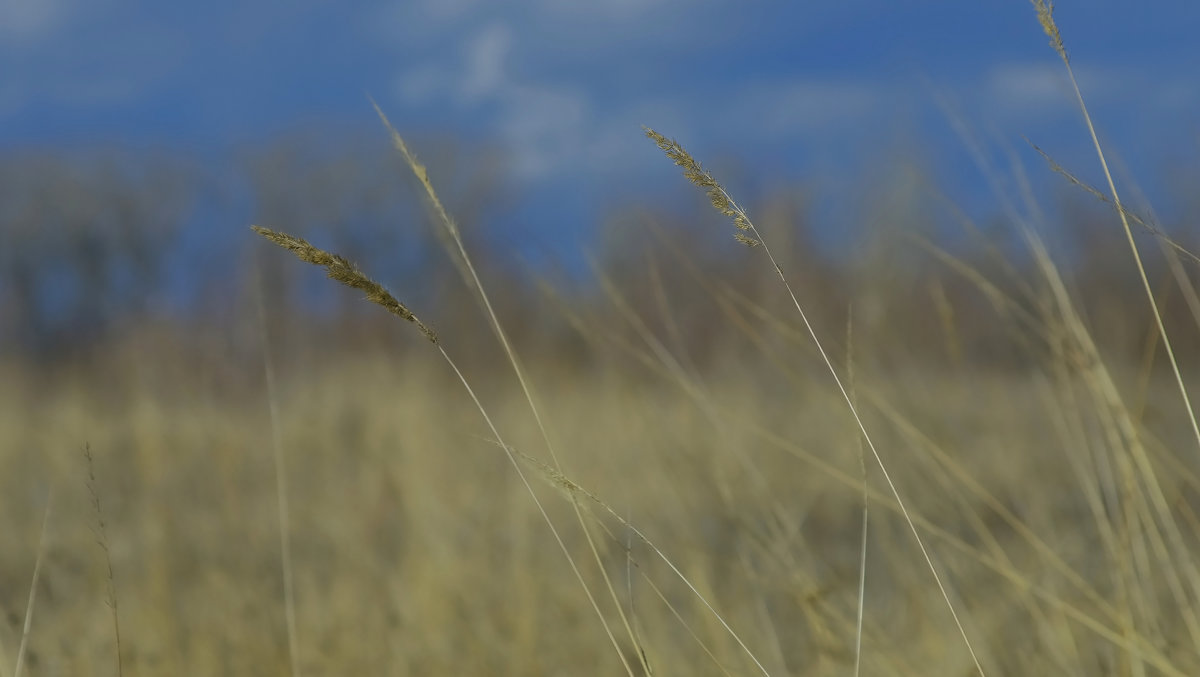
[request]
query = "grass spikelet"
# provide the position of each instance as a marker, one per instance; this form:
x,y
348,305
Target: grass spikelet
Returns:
x,y
748,241
1045,12
693,171
341,270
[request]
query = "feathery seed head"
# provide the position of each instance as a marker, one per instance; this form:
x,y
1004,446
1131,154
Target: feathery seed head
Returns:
x,y
341,270
1045,11
694,172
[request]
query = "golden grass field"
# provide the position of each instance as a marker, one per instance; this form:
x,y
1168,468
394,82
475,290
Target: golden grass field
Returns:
x,y
416,550
265,504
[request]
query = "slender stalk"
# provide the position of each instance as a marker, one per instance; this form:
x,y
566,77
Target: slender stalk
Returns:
x,y
281,489
341,270
749,235
1045,12
452,232
33,587
102,541
866,498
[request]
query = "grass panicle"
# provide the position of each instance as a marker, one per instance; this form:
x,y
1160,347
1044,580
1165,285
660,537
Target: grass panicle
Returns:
x,y
341,270
1045,12
697,174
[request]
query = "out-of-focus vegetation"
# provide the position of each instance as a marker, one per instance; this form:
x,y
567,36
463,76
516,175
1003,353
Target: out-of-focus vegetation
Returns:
x,y
677,386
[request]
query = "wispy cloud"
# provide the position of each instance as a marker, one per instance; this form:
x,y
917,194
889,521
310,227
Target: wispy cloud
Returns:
x,y
1027,89
563,85
1033,92
543,124
545,128
801,107
485,56
28,21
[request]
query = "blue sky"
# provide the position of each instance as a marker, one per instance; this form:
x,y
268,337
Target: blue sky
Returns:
x,y
803,92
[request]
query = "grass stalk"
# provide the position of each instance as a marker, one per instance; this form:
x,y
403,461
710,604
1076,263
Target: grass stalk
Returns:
x,y
571,487
866,502
341,270
279,463
749,235
452,232
1045,11
33,588
102,542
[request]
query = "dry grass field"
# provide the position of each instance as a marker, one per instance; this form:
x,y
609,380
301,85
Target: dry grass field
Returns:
x,y
416,550
729,470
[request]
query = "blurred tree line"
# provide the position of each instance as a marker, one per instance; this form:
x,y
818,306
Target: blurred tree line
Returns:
x,y
96,245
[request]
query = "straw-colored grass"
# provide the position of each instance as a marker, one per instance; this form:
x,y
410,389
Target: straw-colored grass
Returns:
x,y
416,552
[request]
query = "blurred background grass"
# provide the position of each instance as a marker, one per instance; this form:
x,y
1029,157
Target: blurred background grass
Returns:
x,y
415,549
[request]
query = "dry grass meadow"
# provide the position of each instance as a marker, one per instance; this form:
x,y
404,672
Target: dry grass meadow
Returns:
x,y
982,464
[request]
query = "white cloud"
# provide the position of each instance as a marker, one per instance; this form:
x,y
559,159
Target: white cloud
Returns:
x,y
543,124
574,29
1034,91
25,21
484,68
1028,89
474,75
566,84
545,128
